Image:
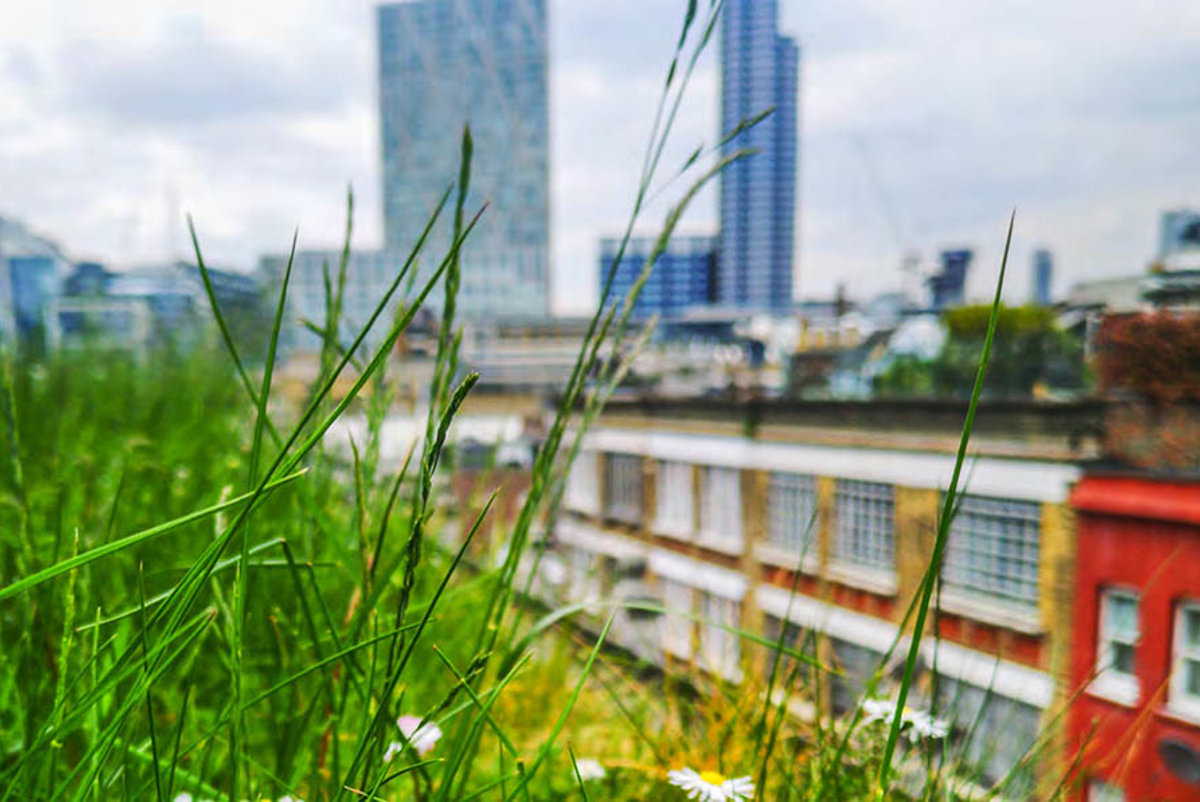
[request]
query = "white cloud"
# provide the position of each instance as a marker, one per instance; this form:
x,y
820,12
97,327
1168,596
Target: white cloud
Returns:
x,y
923,124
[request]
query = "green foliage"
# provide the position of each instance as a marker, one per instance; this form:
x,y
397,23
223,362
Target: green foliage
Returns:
x,y
1031,354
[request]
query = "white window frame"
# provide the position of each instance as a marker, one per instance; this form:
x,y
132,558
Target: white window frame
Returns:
x,y
847,564
721,510
582,484
624,510
1178,699
1116,686
989,537
678,598
792,503
720,649
1102,791
675,510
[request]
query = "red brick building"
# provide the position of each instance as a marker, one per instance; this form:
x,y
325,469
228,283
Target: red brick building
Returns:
x,y
1136,651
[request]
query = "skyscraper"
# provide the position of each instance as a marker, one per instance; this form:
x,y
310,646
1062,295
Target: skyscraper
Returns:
x,y
444,63
1043,276
682,277
759,69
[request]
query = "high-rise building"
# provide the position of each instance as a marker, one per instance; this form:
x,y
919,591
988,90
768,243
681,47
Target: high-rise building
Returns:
x,y
682,277
1179,230
759,70
443,64
947,287
1043,276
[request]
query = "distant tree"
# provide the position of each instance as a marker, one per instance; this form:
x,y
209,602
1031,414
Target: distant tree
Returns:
x,y
1030,351
1155,356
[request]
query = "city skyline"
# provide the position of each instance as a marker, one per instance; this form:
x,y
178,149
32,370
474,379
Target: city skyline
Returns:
x,y
924,125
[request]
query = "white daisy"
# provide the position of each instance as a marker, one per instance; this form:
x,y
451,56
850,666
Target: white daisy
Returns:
x,y
711,786
918,723
590,769
423,737
926,726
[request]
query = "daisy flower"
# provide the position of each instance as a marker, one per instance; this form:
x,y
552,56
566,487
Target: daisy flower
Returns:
x,y
711,786
919,723
422,737
590,769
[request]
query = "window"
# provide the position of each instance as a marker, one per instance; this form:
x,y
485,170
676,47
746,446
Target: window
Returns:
x,y
865,524
1100,791
796,638
1185,670
673,499
583,572
676,626
993,733
623,488
856,665
581,483
993,550
720,648
721,507
791,504
1118,638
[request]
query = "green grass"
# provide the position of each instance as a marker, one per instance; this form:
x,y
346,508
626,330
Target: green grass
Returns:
x,y
197,596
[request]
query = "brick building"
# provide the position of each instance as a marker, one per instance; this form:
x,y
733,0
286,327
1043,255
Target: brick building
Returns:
x,y
1137,631
711,509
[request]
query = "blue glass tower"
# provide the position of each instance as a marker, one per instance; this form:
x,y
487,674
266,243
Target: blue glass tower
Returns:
x,y
444,63
683,275
759,70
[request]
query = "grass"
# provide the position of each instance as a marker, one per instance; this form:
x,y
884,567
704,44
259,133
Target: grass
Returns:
x,y
197,596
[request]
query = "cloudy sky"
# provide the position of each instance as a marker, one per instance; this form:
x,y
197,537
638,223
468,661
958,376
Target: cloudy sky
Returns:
x,y
923,123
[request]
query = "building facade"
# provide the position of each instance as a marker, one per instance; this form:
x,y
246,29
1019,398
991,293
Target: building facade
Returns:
x,y
712,510
683,276
759,71
369,275
444,64
1137,628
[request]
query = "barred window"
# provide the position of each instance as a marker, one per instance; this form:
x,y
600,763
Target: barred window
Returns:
x,y
676,625
865,524
993,550
721,506
791,503
673,500
623,488
581,489
721,649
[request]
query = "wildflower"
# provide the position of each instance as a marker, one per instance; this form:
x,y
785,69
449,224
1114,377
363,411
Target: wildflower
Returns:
x,y
918,723
590,769
711,786
422,737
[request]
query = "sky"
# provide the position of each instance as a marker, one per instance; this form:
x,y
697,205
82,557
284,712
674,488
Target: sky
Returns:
x,y
924,123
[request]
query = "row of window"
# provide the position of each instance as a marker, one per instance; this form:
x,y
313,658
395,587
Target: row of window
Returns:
x,y
1116,652
992,554
991,732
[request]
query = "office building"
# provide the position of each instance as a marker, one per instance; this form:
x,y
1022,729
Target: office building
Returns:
x,y
947,287
682,277
443,64
759,70
1179,230
1043,276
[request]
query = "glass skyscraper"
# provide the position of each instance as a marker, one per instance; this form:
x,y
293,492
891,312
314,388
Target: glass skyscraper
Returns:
x,y
682,277
759,69
442,64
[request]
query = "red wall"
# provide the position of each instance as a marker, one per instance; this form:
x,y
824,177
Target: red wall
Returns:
x,y
1141,534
